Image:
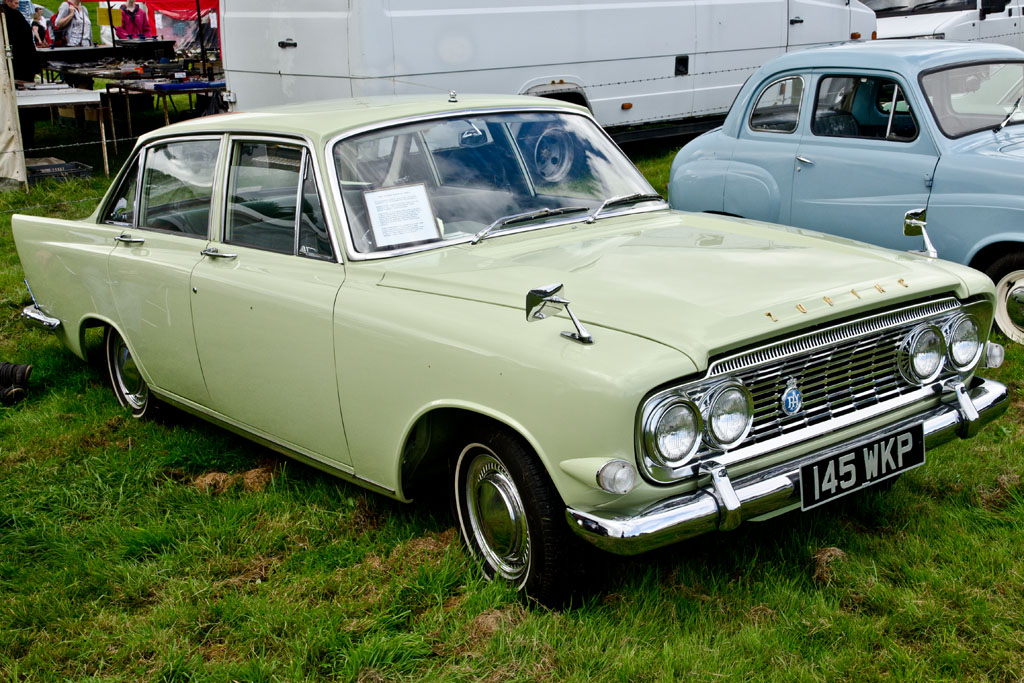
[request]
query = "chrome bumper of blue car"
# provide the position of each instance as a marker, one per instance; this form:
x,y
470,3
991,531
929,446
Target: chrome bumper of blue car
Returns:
x,y
723,503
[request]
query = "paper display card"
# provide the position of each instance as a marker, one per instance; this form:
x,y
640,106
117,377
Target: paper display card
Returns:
x,y
400,215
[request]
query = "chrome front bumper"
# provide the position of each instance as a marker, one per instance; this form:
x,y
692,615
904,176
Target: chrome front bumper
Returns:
x,y
723,503
31,315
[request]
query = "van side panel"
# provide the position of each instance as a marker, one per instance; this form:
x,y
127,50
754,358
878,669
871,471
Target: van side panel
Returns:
x,y
615,50
261,71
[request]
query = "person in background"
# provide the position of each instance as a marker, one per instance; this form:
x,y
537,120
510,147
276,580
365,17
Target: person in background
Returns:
x,y
75,18
25,62
39,27
134,22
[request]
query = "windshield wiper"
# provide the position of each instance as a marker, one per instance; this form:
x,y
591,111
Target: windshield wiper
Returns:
x,y
1015,110
890,10
523,217
634,198
925,5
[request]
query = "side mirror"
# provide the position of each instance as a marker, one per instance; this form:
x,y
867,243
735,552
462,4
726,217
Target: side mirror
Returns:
x,y
544,302
914,222
990,6
915,225
472,138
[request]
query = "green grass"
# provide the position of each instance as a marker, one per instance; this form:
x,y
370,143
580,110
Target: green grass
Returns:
x,y
138,551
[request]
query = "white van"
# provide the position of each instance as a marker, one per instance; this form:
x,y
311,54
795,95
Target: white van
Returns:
x,y
631,62
991,21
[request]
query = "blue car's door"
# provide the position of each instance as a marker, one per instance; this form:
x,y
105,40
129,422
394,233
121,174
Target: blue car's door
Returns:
x,y
863,161
760,177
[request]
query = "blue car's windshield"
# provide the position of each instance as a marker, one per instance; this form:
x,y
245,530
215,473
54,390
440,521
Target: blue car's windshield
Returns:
x,y
966,99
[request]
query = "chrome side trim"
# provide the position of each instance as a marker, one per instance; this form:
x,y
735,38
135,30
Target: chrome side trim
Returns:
x,y
34,317
770,490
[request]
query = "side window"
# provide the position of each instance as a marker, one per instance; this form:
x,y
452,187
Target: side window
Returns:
x,y
314,239
863,107
122,208
778,107
177,185
263,189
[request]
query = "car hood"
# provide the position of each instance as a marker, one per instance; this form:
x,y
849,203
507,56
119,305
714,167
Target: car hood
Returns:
x,y
700,284
913,25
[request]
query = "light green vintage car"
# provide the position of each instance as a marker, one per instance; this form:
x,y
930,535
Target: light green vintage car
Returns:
x,y
381,288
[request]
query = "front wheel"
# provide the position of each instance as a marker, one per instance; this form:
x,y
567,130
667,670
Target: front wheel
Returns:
x,y
510,516
129,387
1008,274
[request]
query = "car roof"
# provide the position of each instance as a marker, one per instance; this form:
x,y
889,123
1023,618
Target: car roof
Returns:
x,y
324,119
904,56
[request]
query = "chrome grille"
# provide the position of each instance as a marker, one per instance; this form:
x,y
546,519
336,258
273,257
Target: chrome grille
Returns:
x,y
847,372
839,370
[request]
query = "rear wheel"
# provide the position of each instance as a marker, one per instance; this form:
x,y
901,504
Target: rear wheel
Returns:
x,y
129,387
1008,274
510,516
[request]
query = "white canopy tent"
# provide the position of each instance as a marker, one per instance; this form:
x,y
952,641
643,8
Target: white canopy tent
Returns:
x,y
12,154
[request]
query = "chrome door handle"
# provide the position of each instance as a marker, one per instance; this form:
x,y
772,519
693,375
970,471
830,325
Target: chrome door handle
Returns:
x,y
128,239
213,253
804,160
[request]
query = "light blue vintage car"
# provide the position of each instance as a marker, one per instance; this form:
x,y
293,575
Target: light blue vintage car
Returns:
x,y
906,144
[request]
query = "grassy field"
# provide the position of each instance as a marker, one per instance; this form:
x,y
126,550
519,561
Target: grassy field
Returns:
x,y
171,550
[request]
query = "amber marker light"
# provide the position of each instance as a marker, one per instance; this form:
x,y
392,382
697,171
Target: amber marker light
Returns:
x,y
627,105
855,35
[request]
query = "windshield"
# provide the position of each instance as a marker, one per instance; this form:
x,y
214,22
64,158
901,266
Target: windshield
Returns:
x,y
966,99
446,180
888,8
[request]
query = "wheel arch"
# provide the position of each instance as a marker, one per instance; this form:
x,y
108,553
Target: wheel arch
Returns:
x,y
561,90
986,255
432,438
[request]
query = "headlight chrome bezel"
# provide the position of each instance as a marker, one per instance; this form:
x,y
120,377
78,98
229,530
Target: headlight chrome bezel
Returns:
x,y
650,426
949,332
707,410
909,349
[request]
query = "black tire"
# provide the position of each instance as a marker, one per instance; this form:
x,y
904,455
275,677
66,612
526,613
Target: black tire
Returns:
x,y
1007,272
510,516
129,387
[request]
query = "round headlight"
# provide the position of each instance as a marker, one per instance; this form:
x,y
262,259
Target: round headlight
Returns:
x,y
921,354
730,414
672,432
964,342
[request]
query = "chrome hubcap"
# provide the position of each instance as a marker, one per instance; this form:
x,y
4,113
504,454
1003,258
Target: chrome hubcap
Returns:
x,y
129,381
497,516
553,154
1010,305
